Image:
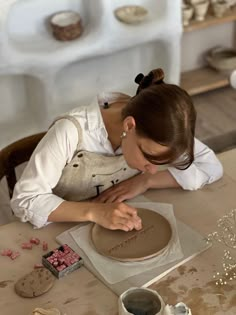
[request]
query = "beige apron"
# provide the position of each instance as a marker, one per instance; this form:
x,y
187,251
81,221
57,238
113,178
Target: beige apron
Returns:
x,y
88,174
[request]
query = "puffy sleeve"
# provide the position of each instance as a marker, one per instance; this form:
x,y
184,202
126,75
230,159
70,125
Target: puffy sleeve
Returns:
x,y
33,199
205,169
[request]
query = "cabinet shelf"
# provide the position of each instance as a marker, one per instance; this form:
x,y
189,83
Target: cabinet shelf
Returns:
x,y
203,80
211,20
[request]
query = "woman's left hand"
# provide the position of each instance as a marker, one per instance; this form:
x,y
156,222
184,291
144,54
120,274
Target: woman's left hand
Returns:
x,y
125,190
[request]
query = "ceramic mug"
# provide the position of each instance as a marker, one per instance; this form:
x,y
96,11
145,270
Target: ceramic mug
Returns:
x,y
143,301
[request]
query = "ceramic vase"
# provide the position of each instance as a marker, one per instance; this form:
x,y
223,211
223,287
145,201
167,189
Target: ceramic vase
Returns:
x,y
187,13
219,8
200,10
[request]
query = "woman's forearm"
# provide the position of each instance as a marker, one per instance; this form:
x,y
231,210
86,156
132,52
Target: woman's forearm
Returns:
x,y
162,179
71,211
113,216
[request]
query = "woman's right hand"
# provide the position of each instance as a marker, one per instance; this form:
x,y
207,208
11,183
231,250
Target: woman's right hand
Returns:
x,y
115,216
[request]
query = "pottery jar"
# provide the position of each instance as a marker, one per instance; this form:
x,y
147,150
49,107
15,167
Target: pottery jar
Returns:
x,y
219,8
200,10
187,13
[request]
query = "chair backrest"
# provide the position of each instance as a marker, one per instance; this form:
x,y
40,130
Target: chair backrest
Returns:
x,y
15,154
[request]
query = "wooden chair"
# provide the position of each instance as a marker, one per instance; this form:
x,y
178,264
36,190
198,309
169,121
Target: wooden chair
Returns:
x,y
15,154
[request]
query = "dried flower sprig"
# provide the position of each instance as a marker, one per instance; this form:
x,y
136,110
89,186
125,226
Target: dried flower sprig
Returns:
x,y
226,235
227,230
229,270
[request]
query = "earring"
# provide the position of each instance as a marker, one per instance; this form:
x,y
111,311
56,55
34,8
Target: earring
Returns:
x,y
123,135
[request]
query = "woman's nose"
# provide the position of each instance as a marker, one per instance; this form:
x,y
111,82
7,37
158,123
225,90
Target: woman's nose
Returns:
x,y
151,168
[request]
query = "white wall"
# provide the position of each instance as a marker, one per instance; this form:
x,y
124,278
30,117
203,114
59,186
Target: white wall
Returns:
x,y
17,118
12,97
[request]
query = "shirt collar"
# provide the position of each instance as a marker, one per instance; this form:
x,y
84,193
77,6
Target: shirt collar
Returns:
x,y
94,116
93,113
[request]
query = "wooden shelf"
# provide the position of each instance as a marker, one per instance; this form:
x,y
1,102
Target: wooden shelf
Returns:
x,y
210,20
202,80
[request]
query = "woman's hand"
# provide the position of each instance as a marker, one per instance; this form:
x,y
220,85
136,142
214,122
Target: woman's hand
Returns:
x,y
125,190
115,216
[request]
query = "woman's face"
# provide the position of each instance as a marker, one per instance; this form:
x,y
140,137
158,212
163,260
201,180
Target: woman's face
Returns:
x,y
135,148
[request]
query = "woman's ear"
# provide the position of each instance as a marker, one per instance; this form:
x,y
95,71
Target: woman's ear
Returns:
x,y
129,123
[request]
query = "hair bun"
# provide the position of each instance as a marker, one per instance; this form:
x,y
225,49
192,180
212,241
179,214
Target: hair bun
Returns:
x,y
158,75
155,76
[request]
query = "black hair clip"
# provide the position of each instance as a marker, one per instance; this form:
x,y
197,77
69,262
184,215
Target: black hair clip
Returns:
x,y
105,105
147,80
138,78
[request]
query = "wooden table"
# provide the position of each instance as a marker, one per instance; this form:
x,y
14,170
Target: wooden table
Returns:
x,y
80,293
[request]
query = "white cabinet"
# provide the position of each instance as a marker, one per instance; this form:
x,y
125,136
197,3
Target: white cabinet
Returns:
x,y
213,31
52,76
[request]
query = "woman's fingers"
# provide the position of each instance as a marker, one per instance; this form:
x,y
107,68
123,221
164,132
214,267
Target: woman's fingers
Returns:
x,y
135,219
120,226
115,216
127,216
107,199
109,195
116,196
124,190
122,197
128,223
128,209
130,214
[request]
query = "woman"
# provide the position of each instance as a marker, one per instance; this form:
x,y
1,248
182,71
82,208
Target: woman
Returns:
x,y
96,157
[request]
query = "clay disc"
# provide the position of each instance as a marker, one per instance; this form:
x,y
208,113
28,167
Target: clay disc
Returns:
x,y
148,242
36,283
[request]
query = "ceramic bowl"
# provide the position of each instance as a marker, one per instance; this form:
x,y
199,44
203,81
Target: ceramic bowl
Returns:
x,y
233,79
222,59
66,25
219,8
200,10
131,14
187,13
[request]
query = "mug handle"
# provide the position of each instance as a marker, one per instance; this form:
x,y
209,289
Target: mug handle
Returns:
x,y
178,309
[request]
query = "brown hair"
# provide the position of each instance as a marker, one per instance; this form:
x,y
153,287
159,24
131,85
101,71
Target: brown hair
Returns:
x,y
165,114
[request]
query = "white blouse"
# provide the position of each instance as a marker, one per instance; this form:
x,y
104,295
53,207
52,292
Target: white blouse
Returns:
x,y
33,199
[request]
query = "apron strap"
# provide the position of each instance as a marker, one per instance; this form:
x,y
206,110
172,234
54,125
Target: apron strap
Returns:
x,y
77,125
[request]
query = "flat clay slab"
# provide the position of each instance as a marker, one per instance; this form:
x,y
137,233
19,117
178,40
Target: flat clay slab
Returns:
x,y
148,242
35,283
